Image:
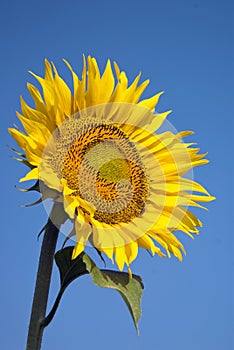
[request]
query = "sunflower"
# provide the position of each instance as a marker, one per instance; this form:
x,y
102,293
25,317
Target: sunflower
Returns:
x,y
98,150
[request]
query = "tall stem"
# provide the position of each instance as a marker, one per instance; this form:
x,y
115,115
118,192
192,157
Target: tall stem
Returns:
x,y
42,287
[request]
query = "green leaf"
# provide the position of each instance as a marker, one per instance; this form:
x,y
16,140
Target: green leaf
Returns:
x,y
129,288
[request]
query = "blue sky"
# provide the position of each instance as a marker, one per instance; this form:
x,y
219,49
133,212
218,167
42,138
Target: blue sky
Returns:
x,y
186,49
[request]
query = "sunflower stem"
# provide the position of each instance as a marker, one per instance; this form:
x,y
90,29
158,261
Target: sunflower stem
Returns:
x,y
42,287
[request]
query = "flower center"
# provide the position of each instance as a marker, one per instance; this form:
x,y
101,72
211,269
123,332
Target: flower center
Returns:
x,y
103,167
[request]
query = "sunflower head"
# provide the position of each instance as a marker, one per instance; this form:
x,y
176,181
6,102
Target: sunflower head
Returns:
x,y
99,152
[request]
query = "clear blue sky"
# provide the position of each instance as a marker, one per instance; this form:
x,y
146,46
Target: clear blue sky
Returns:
x,y
186,49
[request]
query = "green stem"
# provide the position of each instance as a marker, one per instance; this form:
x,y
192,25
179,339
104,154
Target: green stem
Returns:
x,y
41,292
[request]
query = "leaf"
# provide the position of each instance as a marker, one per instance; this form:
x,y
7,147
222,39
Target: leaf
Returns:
x,y
69,269
129,288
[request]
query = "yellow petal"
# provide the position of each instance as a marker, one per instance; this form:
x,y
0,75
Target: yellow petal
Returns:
x,y
120,257
140,89
107,84
79,248
81,91
48,71
76,83
159,119
151,102
31,149
83,230
117,70
63,94
70,206
38,100
36,130
131,251
108,251
146,242
31,175
48,91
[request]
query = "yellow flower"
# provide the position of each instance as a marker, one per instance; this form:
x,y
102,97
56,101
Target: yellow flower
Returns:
x,y
122,184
